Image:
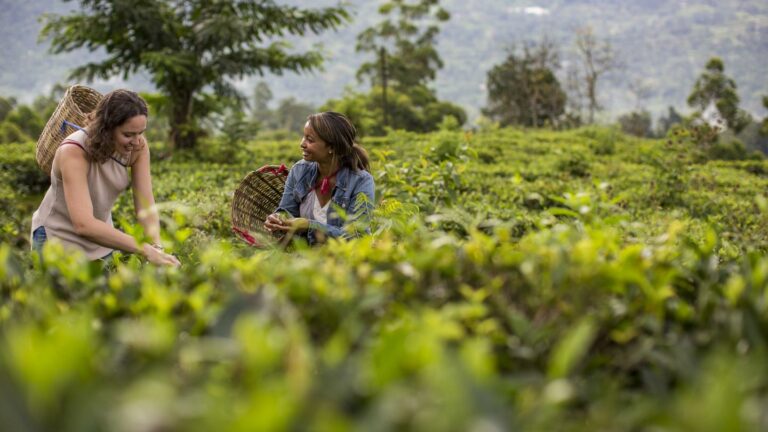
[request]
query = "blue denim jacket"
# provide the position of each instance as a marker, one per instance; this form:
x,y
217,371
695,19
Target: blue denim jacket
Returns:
x,y
353,196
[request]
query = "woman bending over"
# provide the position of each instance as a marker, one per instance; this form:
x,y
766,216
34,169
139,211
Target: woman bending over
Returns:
x,y
91,168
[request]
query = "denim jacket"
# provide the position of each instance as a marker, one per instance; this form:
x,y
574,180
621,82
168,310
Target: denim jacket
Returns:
x,y
353,195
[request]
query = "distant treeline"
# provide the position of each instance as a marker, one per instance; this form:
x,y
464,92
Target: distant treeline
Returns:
x,y
196,99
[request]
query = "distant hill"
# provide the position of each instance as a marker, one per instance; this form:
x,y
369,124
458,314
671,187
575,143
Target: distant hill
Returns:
x,y
663,43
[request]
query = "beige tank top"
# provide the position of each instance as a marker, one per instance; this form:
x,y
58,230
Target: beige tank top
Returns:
x,y
106,182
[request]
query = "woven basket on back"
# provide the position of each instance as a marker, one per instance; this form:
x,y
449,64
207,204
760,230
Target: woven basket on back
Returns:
x,y
256,198
73,109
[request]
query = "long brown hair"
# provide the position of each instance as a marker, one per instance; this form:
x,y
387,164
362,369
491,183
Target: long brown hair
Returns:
x,y
113,110
341,136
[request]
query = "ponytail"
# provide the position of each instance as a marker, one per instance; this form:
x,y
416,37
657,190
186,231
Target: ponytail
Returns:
x,y
360,157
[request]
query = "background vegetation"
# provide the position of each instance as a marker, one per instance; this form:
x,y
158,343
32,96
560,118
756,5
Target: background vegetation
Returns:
x,y
664,42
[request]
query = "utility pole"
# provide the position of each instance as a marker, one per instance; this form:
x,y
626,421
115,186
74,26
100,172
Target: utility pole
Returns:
x,y
383,62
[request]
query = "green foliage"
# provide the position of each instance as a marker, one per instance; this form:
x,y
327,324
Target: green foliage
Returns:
x,y
637,123
189,47
27,120
404,45
406,62
6,106
666,122
291,115
21,122
416,111
523,90
360,109
764,127
714,87
506,291
10,133
732,150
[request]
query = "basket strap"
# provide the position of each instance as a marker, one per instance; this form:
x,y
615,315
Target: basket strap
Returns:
x,y
74,143
65,123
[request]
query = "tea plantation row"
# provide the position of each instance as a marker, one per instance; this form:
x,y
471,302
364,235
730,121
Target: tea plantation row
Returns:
x,y
576,281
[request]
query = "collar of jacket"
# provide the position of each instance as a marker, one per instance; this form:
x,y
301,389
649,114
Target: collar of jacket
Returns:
x,y
312,174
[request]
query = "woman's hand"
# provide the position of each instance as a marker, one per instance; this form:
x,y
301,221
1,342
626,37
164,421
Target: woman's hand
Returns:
x,y
156,256
277,222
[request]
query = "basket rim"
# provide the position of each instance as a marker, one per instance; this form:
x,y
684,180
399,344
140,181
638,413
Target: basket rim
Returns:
x,y
68,110
271,179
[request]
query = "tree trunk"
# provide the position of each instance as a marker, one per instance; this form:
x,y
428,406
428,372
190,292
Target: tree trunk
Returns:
x,y
183,134
592,96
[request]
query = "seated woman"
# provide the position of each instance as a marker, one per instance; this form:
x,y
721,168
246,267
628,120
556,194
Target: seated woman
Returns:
x,y
90,170
329,193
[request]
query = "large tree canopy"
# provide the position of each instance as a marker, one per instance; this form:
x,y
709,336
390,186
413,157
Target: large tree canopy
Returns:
x,y
189,47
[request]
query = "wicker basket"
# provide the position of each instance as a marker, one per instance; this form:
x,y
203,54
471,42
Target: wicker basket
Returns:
x,y
73,109
256,198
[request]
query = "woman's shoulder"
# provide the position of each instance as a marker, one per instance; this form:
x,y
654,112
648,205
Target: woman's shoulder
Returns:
x,y
69,155
301,166
78,136
360,174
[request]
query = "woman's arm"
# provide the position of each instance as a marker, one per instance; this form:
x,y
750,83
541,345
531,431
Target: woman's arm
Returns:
x,y
74,168
143,198
357,218
358,214
288,204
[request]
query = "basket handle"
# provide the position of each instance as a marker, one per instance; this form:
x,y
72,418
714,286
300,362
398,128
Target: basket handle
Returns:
x,y
276,171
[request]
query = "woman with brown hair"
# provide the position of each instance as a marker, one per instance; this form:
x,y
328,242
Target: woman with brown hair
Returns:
x,y
91,168
329,193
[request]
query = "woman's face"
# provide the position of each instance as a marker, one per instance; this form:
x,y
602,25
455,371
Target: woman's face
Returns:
x,y
313,148
129,135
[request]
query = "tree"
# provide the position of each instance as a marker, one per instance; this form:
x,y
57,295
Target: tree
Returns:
x,y
10,133
27,120
714,87
637,123
597,59
406,61
364,109
6,106
292,115
524,90
666,122
190,48
408,43
764,127
260,111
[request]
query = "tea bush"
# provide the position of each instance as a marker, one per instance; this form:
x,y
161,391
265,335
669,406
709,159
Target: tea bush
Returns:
x,y
500,290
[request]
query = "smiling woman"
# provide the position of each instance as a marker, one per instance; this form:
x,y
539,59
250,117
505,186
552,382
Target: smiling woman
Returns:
x,y
90,170
329,193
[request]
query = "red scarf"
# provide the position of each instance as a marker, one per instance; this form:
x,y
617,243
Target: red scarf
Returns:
x,y
325,185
